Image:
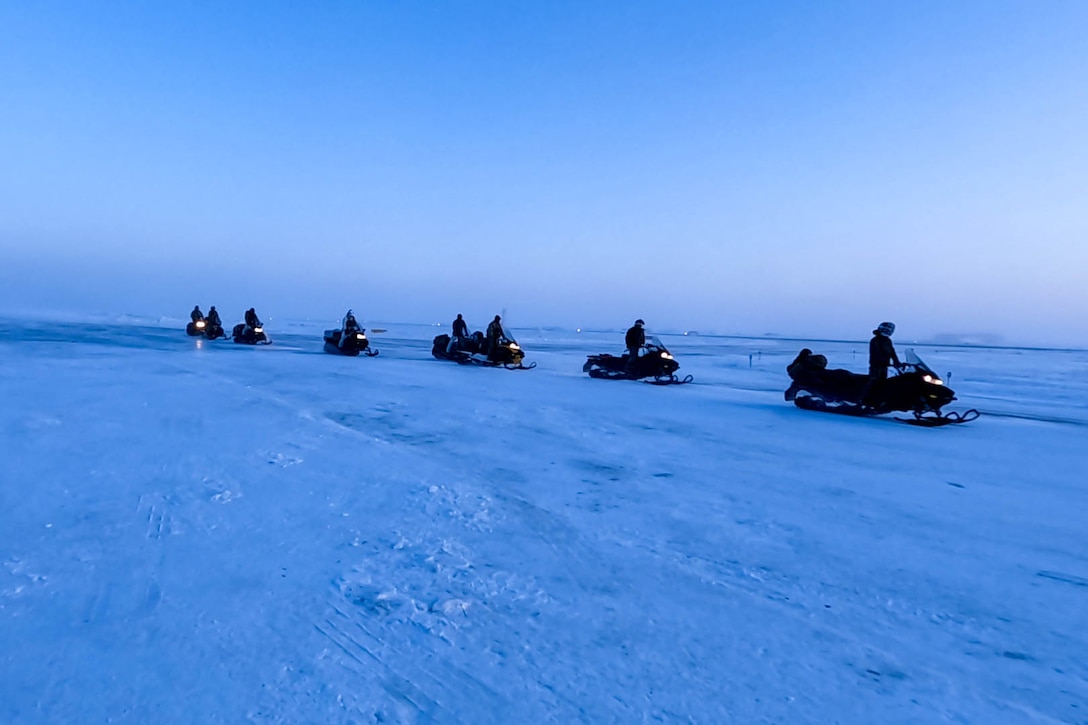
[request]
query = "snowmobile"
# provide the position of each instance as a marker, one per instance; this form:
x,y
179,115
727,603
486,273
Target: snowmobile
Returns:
x,y
915,389
472,350
213,331
198,328
355,343
246,335
655,362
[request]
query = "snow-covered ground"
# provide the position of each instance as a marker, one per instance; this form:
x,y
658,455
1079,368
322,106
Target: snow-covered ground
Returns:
x,y
205,532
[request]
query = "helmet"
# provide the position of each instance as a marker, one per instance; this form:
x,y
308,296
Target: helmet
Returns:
x,y
639,322
886,328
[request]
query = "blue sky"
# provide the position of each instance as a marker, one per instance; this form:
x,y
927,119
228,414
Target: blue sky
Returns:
x,y
795,167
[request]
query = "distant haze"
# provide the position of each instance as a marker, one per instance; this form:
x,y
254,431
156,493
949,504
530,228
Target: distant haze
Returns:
x,y
792,167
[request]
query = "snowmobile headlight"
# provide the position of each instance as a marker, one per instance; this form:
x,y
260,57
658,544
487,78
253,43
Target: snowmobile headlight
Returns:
x,y
932,379
360,336
666,355
514,346
200,324
258,330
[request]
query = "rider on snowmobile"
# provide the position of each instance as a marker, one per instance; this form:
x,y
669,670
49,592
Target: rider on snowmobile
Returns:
x,y
196,314
881,355
495,333
634,340
252,321
213,318
351,327
460,332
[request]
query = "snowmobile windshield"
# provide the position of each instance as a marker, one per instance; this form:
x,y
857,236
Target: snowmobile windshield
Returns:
x,y
911,358
655,343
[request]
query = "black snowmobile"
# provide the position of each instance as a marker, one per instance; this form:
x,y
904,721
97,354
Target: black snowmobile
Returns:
x,y
245,335
473,351
655,362
355,343
915,389
198,328
213,331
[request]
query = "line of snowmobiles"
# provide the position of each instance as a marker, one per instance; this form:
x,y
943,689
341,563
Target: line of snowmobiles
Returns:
x,y
242,333
914,389
337,341
250,332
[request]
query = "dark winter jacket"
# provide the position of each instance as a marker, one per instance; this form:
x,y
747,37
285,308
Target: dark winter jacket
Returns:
x,y
251,318
495,331
213,318
636,338
196,314
460,328
881,353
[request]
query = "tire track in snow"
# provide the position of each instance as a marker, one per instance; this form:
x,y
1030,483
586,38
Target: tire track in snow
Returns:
x,y
409,682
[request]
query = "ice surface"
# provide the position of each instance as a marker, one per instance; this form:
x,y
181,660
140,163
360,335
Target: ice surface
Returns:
x,y
206,532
